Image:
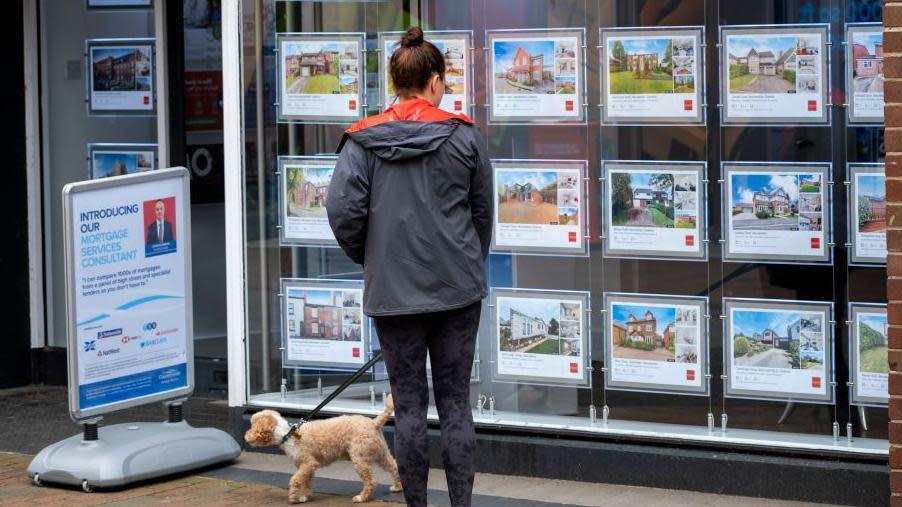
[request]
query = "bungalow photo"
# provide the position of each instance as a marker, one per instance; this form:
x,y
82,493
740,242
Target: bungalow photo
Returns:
x,y
763,63
320,68
649,65
537,326
648,333
774,338
115,69
531,197
870,192
306,189
766,201
872,344
642,199
525,66
318,314
867,64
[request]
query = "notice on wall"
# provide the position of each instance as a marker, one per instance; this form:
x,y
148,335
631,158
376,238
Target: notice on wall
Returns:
x,y
320,77
867,214
323,323
773,74
541,337
539,207
864,72
117,160
870,365
778,350
654,209
120,76
776,212
455,47
652,76
304,184
656,343
536,76
128,252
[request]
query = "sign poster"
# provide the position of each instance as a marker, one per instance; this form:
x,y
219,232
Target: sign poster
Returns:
x,y
654,209
304,184
652,76
320,77
539,207
536,76
776,212
118,3
774,74
541,337
656,343
323,323
455,47
118,160
129,289
867,220
778,350
120,76
870,364
864,72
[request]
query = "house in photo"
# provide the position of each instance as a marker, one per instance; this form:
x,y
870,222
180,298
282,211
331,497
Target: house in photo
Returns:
x,y
523,192
877,205
319,320
310,64
618,333
810,222
738,60
787,61
642,330
867,64
526,329
642,63
120,68
308,195
527,67
762,63
645,197
776,202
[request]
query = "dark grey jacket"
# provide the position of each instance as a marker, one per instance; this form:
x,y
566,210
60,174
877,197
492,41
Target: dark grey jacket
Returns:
x,y
411,201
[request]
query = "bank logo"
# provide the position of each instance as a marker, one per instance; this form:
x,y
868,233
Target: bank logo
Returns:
x,y
150,326
153,342
102,353
90,346
109,333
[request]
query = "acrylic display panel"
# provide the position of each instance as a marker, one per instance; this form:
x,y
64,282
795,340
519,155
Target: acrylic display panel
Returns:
x,y
652,75
774,74
112,159
778,350
775,207
323,324
864,72
868,360
540,337
655,209
303,190
456,47
867,214
120,77
540,207
381,373
536,76
321,77
656,343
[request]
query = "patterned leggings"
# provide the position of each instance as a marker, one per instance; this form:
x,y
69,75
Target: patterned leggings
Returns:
x,y
450,337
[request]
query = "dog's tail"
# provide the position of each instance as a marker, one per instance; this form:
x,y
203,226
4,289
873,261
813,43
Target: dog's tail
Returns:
x,y
383,417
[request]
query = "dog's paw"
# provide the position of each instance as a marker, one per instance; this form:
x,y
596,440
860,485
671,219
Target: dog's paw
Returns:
x,y
297,499
359,499
396,489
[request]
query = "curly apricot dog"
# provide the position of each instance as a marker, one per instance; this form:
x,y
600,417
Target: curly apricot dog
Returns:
x,y
318,443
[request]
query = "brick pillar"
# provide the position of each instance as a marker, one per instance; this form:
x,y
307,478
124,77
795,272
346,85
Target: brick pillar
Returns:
x,y
893,93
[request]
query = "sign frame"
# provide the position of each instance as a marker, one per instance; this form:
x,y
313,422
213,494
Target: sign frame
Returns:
x,y
849,72
854,397
69,191
853,169
283,202
124,148
89,76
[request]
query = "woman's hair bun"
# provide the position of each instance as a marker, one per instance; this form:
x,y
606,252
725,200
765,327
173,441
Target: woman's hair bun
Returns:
x,y
413,37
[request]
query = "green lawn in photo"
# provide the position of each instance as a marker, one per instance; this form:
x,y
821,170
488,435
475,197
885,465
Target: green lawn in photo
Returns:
x,y
685,225
625,82
660,218
684,89
323,83
874,360
550,346
741,81
808,187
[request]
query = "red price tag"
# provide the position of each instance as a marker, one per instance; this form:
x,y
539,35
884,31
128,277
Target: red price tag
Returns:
x,y
568,105
352,105
574,367
812,105
571,236
687,105
816,382
690,240
815,243
690,375
458,105
355,352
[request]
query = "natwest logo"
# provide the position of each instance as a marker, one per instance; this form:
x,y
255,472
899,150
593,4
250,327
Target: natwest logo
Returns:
x,y
108,352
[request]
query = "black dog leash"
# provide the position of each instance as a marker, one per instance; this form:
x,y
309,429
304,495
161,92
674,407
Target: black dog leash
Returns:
x,y
294,427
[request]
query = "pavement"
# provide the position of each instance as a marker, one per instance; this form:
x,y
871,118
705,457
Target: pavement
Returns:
x,y
35,416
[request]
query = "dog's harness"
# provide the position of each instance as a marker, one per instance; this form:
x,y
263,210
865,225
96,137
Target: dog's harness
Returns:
x,y
344,385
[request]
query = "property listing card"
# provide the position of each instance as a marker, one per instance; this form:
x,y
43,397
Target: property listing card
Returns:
x,y
540,337
656,343
304,190
778,349
539,207
110,160
320,77
870,365
774,74
654,209
864,72
867,213
120,76
652,76
455,47
536,75
776,212
323,324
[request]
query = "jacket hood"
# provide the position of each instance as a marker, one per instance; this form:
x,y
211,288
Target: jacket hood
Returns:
x,y
406,130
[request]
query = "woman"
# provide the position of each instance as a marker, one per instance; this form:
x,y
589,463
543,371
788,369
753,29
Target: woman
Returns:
x,y
410,200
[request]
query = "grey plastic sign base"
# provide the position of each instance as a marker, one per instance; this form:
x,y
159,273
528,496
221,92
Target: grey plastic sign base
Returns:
x,y
126,453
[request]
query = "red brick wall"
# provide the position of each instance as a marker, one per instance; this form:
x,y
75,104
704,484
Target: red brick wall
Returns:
x,y
893,93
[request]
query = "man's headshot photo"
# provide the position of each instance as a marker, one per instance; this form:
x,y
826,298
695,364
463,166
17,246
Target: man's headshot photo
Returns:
x,y
159,220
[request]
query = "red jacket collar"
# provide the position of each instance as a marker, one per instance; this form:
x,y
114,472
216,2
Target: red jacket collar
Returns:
x,y
409,110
